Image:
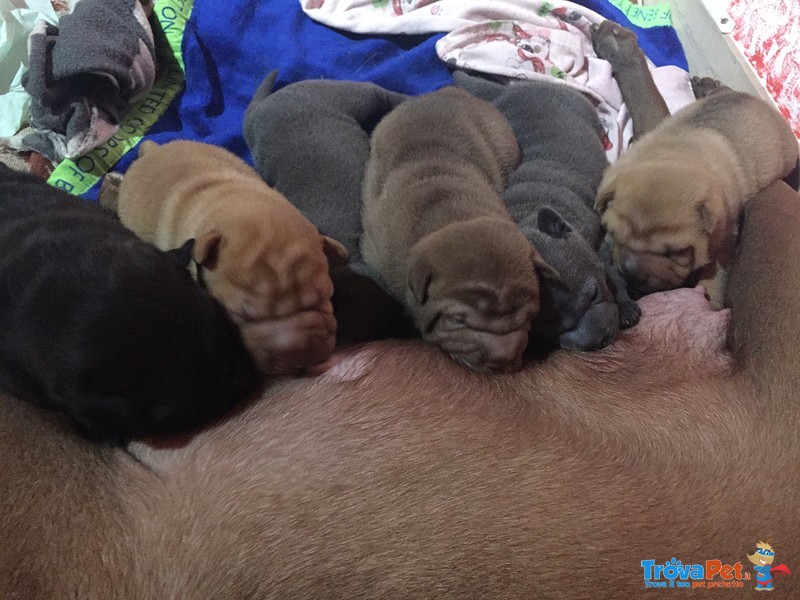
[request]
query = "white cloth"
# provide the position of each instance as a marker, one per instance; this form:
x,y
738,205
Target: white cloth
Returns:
x,y
521,39
16,22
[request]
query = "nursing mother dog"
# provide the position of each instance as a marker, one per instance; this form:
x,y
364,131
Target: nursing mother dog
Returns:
x,y
254,251
398,474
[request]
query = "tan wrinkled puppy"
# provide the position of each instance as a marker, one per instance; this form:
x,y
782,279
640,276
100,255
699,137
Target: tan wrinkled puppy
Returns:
x,y
438,232
255,251
671,204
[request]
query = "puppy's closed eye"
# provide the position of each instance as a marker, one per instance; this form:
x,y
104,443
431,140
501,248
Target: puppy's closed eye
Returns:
x,y
457,319
683,258
419,280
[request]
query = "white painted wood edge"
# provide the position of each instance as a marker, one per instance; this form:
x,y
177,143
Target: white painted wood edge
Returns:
x,y
718,11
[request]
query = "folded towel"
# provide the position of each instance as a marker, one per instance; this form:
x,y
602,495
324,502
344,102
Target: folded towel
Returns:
x,y
84,75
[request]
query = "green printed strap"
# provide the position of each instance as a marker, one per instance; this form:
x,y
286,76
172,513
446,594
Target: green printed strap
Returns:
x,y
658,15
78,175
172,15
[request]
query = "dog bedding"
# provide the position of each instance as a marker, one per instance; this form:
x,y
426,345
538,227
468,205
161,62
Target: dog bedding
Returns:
x,y
228,48
84,75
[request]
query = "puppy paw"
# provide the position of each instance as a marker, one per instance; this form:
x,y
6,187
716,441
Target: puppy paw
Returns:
x,y
616,44
629,313
705,86
109,191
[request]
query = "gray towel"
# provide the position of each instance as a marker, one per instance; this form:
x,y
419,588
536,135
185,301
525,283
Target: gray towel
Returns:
x,y
85,74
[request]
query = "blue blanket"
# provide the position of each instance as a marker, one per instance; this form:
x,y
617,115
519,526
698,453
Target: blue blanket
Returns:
x,y
230,46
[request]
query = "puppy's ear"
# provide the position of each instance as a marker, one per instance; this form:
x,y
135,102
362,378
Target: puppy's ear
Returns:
x,y
182,255
419,280
551,223
707,217
206,249
145,146
543,268
606,191
334,251
710,206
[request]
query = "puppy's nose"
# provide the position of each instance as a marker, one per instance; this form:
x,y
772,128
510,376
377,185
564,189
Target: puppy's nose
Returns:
x,y
506,367
608,337
505,352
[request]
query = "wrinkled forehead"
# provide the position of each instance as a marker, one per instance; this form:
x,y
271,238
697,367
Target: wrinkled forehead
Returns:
x,y
652,220
286,263
654,238
649,198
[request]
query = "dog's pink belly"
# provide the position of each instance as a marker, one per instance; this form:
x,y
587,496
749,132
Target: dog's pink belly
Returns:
x,y
291,343
681,322
299,470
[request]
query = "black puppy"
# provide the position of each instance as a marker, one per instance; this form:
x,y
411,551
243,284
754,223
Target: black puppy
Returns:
x,y
551,196
310,140
105,328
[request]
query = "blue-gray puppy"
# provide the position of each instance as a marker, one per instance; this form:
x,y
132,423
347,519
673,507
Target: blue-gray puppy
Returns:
x,y
551,195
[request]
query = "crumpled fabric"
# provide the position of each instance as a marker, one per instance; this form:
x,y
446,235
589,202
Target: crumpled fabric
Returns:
x,y
516,39
84,74
16,24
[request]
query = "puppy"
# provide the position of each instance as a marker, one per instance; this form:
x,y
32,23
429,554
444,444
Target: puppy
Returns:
x,y
671,204
618,45
105,328
255,252
550,195
436,229
310,141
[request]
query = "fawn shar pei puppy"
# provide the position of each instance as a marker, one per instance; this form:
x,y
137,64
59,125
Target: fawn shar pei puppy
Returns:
x,y
255,252
671,204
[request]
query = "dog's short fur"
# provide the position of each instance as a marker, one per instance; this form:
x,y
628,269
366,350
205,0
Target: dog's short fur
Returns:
x,y
104,327
551,195
310,141
401,478
436,229
671,204
619,46
255,252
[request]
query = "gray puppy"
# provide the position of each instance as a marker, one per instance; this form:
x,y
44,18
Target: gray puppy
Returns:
x,y
550,195
310,141
436,228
